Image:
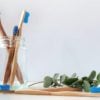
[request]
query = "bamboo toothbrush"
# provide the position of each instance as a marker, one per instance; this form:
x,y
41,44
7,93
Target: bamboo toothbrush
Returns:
x,y
24,18
61,93
2,32
18,73
7,71
9,62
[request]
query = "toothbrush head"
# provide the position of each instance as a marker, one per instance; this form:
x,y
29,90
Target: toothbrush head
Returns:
x,y
15,30
95,89
4,87
26,17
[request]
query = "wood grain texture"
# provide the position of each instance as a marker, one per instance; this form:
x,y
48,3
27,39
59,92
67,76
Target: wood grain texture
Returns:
x,y
8,66
61,89
62,93
14,64
32,92
75,93
11,53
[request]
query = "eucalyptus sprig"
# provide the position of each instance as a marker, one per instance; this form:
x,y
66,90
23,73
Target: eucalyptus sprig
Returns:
x,y
84,83
74,81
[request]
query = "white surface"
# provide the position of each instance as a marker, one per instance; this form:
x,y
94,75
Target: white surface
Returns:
x,y
62,35
33,97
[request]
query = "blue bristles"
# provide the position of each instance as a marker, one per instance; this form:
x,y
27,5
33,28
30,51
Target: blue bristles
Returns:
x,y
27,14
25,20
95,89
15,30
4,87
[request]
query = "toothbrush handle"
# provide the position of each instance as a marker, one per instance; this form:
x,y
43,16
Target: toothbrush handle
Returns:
x,y
8,67
61,89
2,31
19,75
14,63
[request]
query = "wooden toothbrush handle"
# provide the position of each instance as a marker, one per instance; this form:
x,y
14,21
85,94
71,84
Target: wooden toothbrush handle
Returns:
x,y
8,67
14,63
75,93
62,93
18,71
2,31
32,92
19,75
59,89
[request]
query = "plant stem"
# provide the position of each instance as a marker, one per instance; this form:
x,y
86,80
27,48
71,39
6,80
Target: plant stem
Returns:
x,y
35,83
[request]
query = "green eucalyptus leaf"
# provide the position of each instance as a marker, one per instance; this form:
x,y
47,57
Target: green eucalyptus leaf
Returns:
x,y
84,78
92,75
74,75
48,81
86,86
69,81
63,78
99,82
77,84
56,84
98,77
55,77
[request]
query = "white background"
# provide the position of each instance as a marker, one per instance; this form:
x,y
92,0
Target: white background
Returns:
x,y
62,36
